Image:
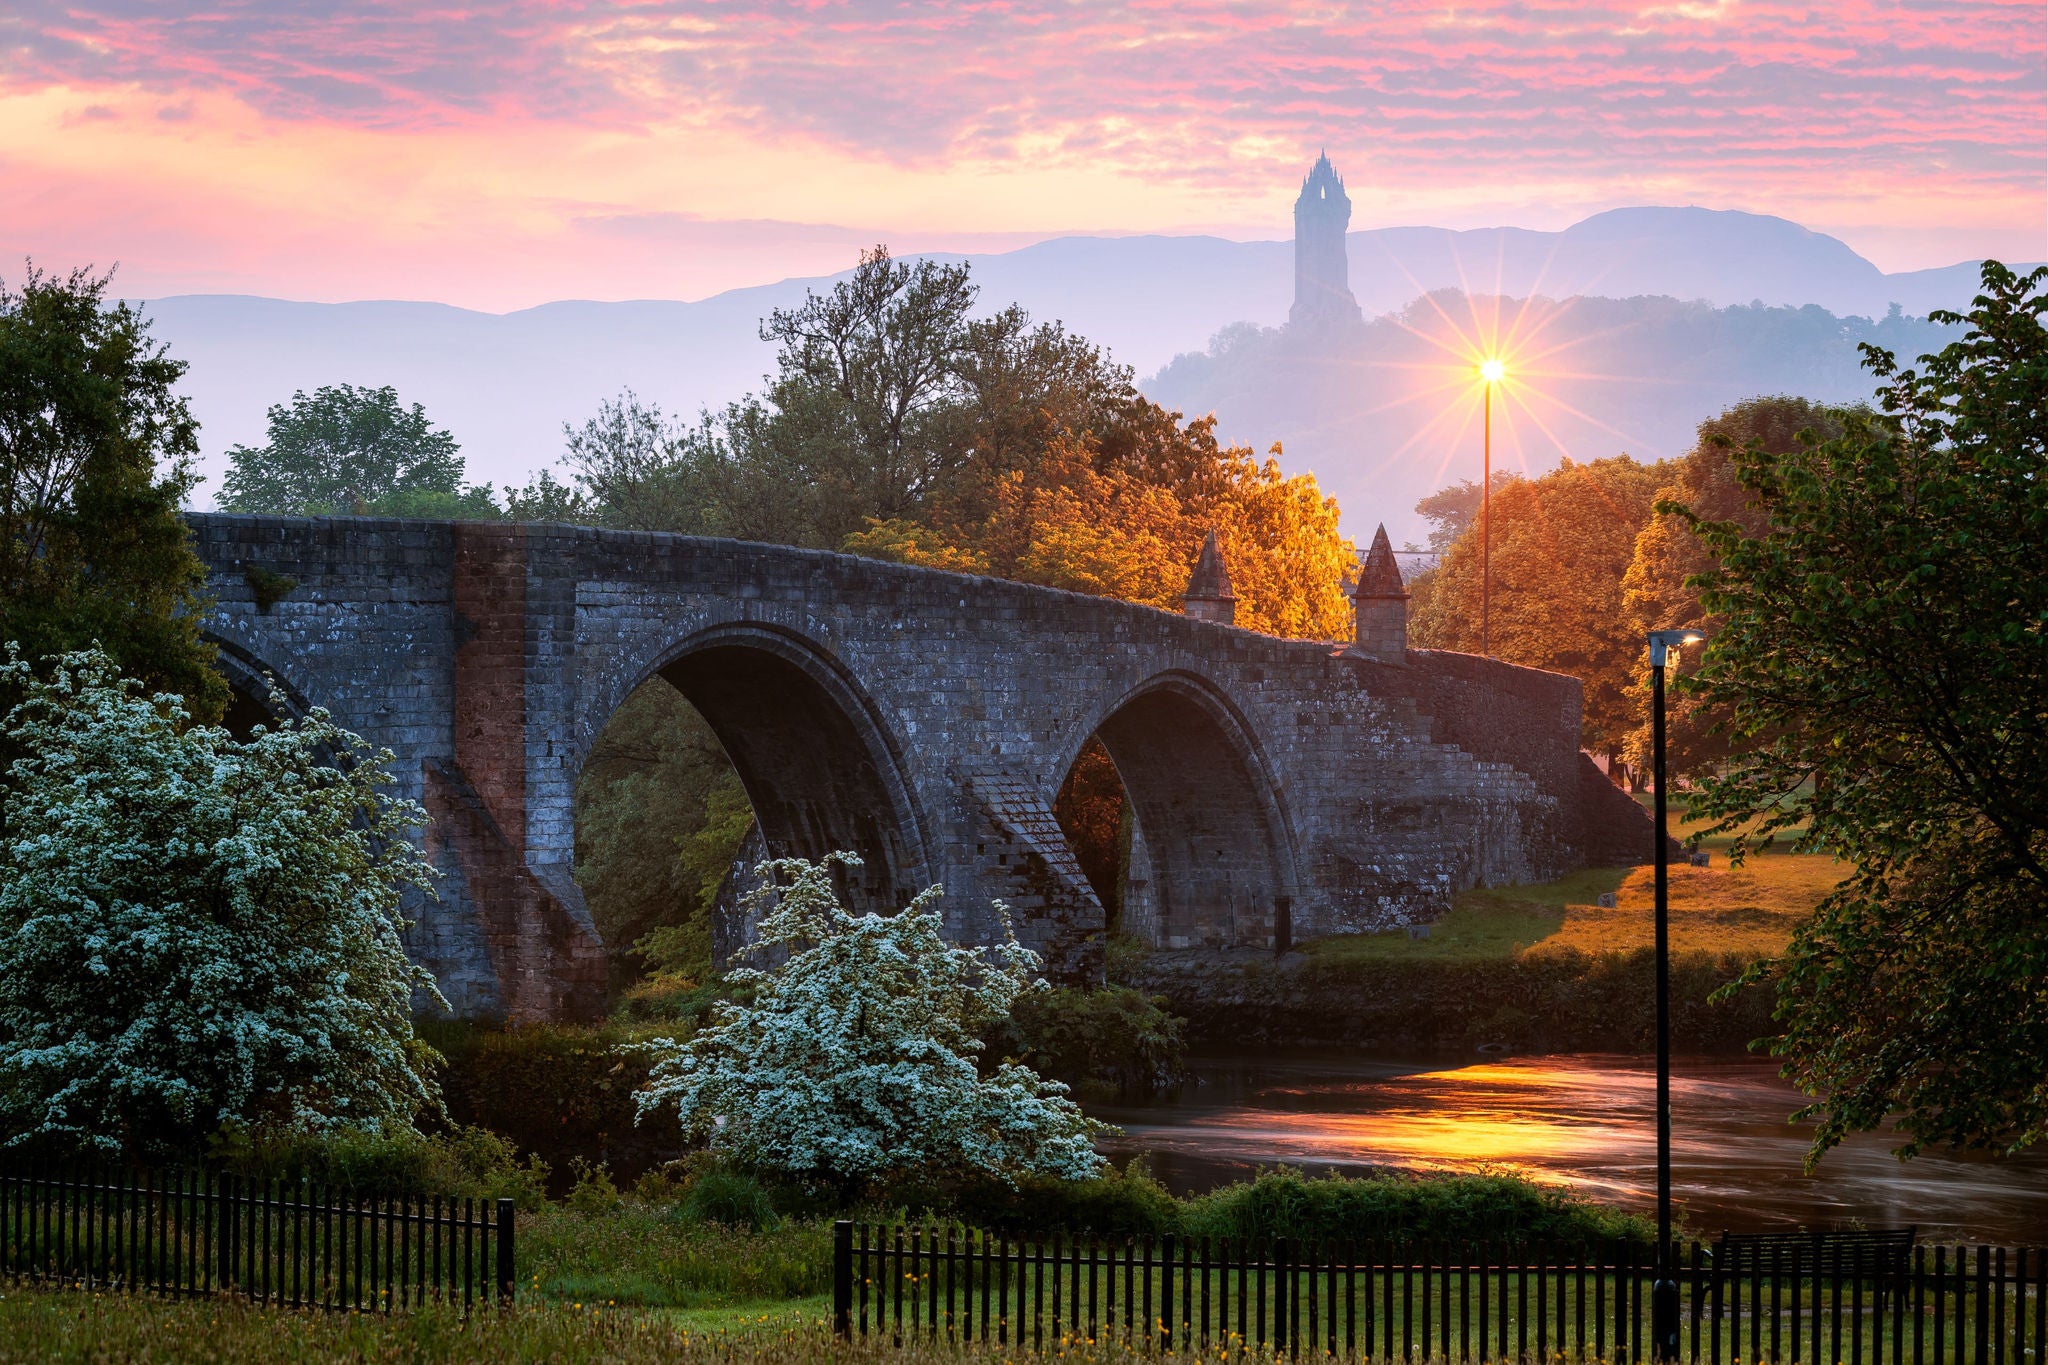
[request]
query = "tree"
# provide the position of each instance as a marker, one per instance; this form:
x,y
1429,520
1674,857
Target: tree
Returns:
x,y
545,499
1882,667
630,467
1560,546
855,1062
898,426
889,400
350,450
1094,812
198,933
656,829
1657,591
95,459
1454,510
1124,514
878,364
708,854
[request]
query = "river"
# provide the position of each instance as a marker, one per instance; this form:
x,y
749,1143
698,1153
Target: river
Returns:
x,y
1582,1121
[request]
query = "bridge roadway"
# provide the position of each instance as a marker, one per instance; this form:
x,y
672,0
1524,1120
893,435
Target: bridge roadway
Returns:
x,y
922,719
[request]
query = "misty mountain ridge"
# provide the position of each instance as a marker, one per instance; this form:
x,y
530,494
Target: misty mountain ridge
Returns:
x,y
505,383
1389,410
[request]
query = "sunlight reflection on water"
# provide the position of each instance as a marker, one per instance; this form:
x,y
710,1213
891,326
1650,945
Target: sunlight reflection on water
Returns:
x,y
1581,1121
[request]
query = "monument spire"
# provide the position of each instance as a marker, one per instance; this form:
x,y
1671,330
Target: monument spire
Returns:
x,y
1322,269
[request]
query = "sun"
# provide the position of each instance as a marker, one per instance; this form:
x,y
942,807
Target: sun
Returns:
x,y
1492,370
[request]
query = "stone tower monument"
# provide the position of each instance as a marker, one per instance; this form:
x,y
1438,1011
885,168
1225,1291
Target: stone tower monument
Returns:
x,y
1322,272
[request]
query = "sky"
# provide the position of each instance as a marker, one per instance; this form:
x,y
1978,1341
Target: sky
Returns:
x,y
501,153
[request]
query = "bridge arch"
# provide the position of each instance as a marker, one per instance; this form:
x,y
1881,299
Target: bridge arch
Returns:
x,y
259,693
1211,859
819,765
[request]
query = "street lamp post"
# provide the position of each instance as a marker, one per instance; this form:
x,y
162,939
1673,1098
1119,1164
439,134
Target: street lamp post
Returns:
x,y
1491,371
1664,646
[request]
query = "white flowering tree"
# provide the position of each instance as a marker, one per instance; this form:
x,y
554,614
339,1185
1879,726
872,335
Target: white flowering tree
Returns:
x,y
855,1061
196,932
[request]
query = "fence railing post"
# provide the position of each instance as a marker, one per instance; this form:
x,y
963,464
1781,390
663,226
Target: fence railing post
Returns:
x,y
1984,1291
224,1233
508,1274
1283,1312
842,1278
1166,1244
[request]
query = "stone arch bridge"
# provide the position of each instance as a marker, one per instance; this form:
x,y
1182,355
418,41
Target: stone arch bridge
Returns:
x,y
925,720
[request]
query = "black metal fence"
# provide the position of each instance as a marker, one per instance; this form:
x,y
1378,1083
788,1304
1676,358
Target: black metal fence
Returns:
x,y
302,1245
1824,1304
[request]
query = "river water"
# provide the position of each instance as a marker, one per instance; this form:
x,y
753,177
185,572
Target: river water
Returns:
x,y
1582,1121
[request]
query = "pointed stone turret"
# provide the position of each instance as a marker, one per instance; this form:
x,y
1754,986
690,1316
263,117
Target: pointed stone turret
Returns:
x,y
1380,603
1209,597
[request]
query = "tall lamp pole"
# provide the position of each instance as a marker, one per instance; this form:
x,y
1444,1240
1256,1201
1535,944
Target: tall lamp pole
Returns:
x,y
1491,371
1664,645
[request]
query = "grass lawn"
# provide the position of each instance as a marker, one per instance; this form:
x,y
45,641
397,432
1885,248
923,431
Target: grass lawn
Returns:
x,y
71,1325
773,1316
651,1256
1749,911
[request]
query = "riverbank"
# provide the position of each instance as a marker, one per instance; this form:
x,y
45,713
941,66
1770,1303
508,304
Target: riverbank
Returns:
x,y
1555,1000
1566,966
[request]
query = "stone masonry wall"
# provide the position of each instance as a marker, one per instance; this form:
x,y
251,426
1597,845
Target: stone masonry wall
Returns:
x,y
926,719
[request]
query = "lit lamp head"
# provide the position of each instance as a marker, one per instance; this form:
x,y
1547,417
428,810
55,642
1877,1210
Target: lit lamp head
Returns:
x,y
1492,370
1664,645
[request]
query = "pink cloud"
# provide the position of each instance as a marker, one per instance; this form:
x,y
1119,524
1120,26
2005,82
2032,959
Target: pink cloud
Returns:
x,y
1755,103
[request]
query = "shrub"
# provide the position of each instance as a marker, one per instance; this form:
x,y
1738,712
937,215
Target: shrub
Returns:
x,y
1455,1208
559,1090
1552,1000
1111,1039
1125,1202
855,1060
733,1198
666,998
198,932
593,1192
1285,1203
462,1163
1123,954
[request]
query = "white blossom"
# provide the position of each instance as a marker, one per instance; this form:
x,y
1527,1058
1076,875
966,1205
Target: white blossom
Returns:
x,y
197,932
855,1060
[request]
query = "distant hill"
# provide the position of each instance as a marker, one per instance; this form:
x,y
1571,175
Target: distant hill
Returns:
x,y
1390,412
504,384
1718,256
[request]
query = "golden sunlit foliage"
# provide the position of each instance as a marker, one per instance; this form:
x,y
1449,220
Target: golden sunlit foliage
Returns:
x,y
1561,544
1080,518
1654,591
1094,813
901,425
1583,568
